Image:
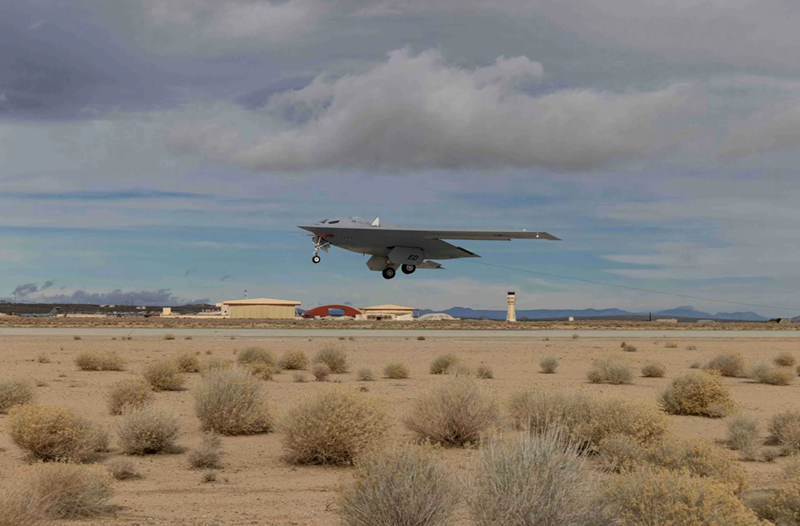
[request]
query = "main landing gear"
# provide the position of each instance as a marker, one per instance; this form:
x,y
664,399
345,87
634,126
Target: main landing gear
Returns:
x,y
408,269
388,273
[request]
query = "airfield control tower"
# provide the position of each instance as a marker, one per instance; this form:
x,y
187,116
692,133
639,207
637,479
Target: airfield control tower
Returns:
x,y
512,311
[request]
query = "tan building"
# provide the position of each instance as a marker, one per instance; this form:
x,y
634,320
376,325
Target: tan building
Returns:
x,y
263,308
388,312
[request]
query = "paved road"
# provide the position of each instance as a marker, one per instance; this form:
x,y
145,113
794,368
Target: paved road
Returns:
x,y
284,334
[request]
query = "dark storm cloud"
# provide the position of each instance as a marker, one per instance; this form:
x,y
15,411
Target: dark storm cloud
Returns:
x,y
120,297
25,289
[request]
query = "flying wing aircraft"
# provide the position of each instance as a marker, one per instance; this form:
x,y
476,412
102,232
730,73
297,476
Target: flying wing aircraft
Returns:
x,y
392,246
53,313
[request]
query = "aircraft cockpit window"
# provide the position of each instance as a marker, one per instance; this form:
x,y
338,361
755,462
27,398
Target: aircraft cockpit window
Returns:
x,y
333,222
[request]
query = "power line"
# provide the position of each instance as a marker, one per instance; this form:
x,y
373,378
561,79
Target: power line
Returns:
x,y
639,289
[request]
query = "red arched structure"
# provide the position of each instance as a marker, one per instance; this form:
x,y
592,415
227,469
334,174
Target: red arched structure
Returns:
x,y
325,311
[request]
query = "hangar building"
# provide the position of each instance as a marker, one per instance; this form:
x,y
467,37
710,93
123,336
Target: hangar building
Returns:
x,y
263,308
389,312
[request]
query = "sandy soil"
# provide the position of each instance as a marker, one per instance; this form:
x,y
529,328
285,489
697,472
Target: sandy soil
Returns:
x,y
257,487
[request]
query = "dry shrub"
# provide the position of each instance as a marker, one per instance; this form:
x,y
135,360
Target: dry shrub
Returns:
x,y
661,497
456,413
671,345
334,427
765,373
654,370
256,354
68,491
728,364
628,347
696,365
76,338
261,370
14,392
169,336
188,363
407,486
294,360
743,435
334,358
785,430
100,361
697,393
697,457
785,359
20,508
43,358
691,347
587,420
365,375
146,431
442,364
619,453
233,402
321,371
122,469
208,455
53,433
164,375
421,338
129,394
610,371
461,369
396,371
215,364
782,506
484,372
299,377
549,364
209,476
530,481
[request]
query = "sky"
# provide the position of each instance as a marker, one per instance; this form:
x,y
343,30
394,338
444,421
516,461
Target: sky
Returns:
x,y
164,151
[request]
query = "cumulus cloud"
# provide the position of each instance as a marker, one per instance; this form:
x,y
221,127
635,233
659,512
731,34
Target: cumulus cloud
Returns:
x,y
419,112
120,297
24,290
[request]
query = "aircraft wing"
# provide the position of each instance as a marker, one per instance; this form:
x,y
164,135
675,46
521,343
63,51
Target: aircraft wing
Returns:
x,y
482,235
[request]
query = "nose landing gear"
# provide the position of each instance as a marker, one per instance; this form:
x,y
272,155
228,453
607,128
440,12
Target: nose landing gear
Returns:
x,y
319,243
316,259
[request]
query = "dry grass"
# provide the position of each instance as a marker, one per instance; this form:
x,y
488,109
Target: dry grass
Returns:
x,y
531,480
654,370
68,491
100,361
549,364
188,363
785,359
147,431
334,427
294,360
15,392
233,402
484,372
208,455
765,373
651,497
334,358
697,393
785,430
129,394
256,354
396,371
53,433
743,435
407,486
443,364
610,370
19,507
321,372
456,413
365,374
164,375
728,364
122,469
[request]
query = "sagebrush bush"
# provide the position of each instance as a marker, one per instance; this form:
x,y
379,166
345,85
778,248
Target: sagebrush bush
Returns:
x,y
299,377
334,427
129,394
43,358
122,469
743,435
658,496
396,371
697,393
785,359
146,431
611,371
460,369
334,358
215,364
321,372
294,360
443,364
208,454
586,420
765,373
484,372
549,364
15,392
68,491
232,402
619,453
697,457
53,433
188,363
169,336
261,370
365,374
164,375
628,347
256,354
654,370
19,507
785,429
406,486
456,413
728,364
671,345
531,480
782,506
100,361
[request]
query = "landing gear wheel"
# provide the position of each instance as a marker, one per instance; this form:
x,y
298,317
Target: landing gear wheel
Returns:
x,y
408,269
388,273
316,259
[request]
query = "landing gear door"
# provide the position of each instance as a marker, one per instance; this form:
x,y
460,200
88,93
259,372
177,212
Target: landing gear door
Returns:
x,y
406,256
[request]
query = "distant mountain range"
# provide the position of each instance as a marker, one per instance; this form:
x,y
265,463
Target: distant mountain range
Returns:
x,y
542,314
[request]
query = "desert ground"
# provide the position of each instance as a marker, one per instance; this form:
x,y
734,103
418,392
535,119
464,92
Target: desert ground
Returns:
x,y
256,486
